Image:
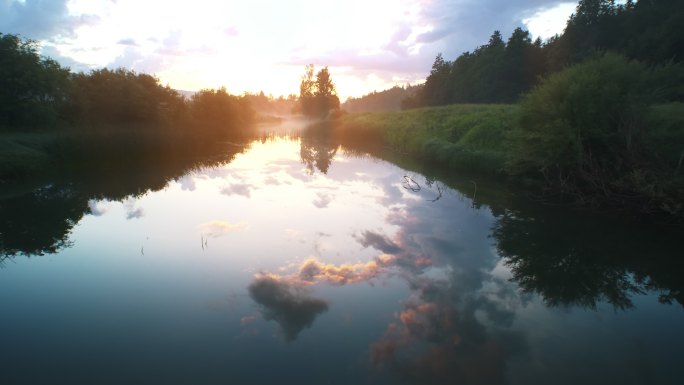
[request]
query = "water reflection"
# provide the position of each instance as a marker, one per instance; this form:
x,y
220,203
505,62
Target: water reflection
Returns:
x,y
317,150
580,260
286,303
396,275
569,259
40,221
455,324
439,338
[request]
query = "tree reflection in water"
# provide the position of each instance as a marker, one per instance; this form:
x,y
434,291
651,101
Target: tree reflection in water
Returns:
x,y
579,260
317,149
40,221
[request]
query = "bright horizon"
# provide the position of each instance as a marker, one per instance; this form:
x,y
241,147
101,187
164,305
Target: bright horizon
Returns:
x,y
264,45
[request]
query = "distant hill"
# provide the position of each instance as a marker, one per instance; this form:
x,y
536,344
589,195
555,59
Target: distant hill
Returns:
x,y
388,100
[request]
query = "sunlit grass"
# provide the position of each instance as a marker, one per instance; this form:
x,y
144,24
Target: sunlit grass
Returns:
x,y
464,136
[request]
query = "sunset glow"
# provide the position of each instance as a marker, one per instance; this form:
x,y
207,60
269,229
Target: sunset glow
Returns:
x,y
264,45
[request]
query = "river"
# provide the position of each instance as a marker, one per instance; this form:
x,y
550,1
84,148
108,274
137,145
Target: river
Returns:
x,y
290,259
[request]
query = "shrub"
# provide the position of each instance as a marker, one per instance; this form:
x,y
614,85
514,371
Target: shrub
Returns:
x,y
584,130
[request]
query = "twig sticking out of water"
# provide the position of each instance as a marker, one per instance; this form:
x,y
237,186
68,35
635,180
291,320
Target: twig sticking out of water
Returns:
x,y
439,190
474,192
410,184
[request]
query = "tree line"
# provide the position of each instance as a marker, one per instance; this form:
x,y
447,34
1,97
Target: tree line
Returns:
x,y
599,108
387,100
500,71
37,93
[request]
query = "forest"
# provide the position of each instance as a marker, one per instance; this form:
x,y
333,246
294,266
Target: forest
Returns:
x,y
593,116
501,71
49,114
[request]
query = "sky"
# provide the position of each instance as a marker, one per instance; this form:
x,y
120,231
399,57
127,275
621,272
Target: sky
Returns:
x,y
259,45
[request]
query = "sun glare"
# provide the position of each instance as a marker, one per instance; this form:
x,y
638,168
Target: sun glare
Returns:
x,y
246,47
264,45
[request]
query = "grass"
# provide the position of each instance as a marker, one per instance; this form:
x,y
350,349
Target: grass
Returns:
x,y
478,139
466,136
667,122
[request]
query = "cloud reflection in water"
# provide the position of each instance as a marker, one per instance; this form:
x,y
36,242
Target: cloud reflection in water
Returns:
x,y
285,303
456,324
218,228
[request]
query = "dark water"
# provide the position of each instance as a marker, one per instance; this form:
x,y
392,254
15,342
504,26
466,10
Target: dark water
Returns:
x,y
291,260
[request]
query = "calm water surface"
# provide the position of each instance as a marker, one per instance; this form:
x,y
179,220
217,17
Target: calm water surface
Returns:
x,y
295,261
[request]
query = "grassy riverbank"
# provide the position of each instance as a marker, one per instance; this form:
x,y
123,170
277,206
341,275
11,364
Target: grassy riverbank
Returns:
x,y
464,137
484,139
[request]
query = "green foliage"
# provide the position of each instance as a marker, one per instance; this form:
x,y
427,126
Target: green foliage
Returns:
x,y
317,97
122,97
269,105
494,73
585,130
464,137
570,259
112,111
649,31
387,100
666,122
499,72
32,89
219,113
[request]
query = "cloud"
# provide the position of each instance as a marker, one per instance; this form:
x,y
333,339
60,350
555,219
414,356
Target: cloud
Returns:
x,y
242,189
131,211
286,304
96,208
392,42
231,31
52,51
378,242
463,25
217,228
135,59
246,320
448,26
37,19
135,214
188,183
127,41
272,181
322,200
313,271
407,254
385,64
438,338
545,22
